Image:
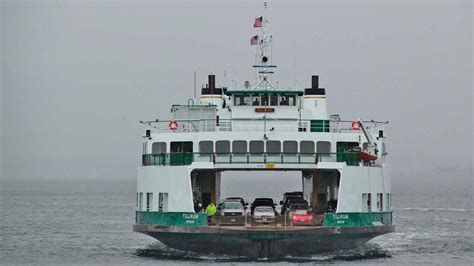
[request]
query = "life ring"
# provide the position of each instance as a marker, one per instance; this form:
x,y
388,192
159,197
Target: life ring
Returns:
x,y
173,125
355,125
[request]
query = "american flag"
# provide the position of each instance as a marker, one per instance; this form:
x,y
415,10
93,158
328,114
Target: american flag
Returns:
x,y
258,22
254,40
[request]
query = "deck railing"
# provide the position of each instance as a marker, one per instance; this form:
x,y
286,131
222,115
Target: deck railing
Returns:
x,y
187,158
255,124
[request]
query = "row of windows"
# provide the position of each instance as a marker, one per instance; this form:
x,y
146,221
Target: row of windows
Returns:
x,y
148,204
265,100
381,205
243,146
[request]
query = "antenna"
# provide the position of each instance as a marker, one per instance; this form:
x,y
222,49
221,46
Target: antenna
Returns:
x,y
263,62
194,84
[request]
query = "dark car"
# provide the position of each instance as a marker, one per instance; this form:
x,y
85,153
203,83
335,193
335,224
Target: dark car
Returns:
x,y
239,199
290,195
292,201
294,194
262,202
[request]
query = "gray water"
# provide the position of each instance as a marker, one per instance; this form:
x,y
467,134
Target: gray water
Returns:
x,y
90,221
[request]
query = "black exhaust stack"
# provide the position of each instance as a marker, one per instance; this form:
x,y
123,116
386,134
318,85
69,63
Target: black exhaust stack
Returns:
x,y
211,88
212,83
314,82
315,89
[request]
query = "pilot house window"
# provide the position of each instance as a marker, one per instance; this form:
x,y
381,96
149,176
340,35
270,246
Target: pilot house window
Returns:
x,y
273,100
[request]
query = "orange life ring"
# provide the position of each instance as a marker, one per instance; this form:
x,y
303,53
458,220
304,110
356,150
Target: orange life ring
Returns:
x,y
173,125
355,125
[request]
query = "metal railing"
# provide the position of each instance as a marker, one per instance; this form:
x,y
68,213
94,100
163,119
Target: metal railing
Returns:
x,y
248,220
187,158
255,124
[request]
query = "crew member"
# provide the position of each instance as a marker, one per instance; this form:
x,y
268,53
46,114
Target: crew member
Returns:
x,y
211,209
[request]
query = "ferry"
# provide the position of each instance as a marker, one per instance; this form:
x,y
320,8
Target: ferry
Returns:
x,y
345,196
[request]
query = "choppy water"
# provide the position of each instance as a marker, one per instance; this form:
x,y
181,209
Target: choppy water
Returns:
x,y
90,221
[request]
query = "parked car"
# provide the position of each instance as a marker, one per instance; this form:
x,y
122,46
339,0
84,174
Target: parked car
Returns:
x,y
263,202
288,195
239,199
231,207
301,217
264,215
292,201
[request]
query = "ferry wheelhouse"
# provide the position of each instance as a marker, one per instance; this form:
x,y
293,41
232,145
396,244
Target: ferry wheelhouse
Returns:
x,y
343,166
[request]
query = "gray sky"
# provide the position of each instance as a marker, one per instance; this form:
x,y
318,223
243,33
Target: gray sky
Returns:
x,y
77,76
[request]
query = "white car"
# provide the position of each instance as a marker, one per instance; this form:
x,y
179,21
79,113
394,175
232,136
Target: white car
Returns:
x,y
264,215
231,208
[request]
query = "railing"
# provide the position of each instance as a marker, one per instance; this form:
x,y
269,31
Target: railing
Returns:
x,y
248,220
256,124
187,158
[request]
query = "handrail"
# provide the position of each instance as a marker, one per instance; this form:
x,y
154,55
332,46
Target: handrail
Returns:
x,y
256,124
187,158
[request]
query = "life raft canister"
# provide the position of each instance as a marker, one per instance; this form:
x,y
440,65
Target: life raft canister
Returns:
x,y
173,125
355,125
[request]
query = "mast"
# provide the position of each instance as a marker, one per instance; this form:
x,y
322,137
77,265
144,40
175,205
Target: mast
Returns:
x,y
263,41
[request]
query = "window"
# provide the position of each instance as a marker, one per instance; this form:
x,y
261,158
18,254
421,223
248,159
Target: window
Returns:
x,y
291,100
290,146
264,99
379,202
238,100
140,201
247,100
273,100
186,146
273,146
243,100
323,147
369,202
283,100
365,145
255,100
206,146
387,206
158,147
307,146
149,200
239,146
384,149
222,146
162,202
366,202
256,146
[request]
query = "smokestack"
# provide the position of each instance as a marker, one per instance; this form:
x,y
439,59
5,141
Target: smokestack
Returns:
x,y
314,82
212,83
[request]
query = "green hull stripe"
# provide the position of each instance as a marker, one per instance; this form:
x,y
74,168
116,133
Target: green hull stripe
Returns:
x,y
171,218
200,219
357,219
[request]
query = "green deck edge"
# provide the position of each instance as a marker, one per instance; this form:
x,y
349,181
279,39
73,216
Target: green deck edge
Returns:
x,y
346,219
